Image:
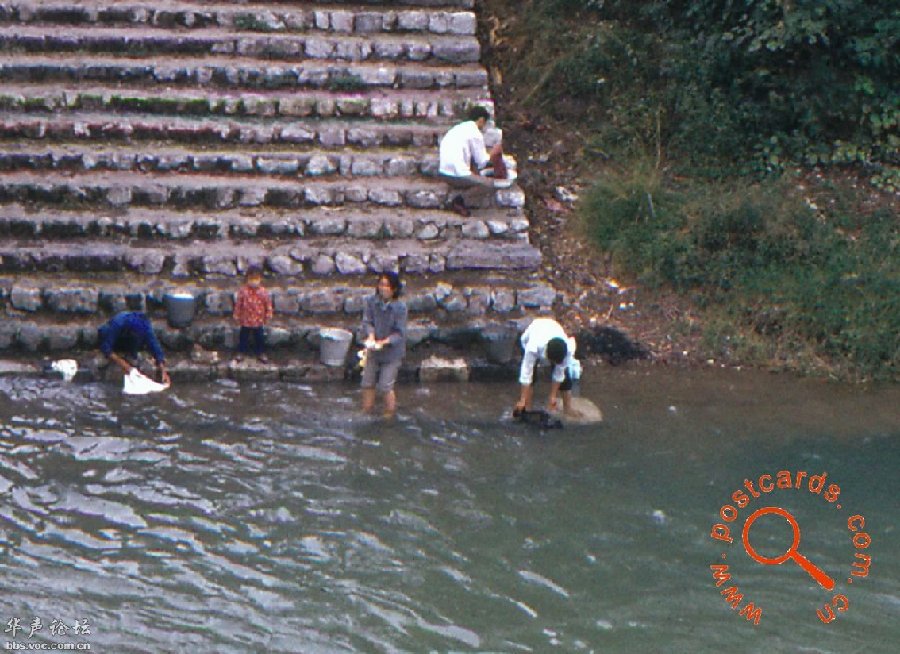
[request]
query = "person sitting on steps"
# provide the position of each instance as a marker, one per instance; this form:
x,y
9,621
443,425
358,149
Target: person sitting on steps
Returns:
x,y
464,158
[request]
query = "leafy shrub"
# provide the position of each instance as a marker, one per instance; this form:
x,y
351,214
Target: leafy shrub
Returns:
x,y
760,256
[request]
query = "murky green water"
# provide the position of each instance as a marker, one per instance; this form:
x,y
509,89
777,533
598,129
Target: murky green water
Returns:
x,y
274,518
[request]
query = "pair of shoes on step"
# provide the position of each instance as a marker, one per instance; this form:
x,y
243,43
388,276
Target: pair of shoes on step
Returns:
x,y
261,358
458,205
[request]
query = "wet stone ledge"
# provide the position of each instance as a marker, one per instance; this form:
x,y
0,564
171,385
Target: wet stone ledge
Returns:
x,y
26,302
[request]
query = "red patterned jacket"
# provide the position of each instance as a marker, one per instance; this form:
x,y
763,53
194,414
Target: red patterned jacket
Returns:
x,y
253,307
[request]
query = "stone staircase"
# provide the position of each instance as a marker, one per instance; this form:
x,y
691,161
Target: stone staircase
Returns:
x,y
147,147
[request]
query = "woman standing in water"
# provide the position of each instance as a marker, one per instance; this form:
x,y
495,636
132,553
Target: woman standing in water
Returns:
x,y
384,335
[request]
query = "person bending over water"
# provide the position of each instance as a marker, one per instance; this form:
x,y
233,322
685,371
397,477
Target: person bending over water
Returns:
x,y
384,335
545,341
125,335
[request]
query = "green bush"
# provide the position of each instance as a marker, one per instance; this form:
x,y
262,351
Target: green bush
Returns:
x,y
726,88
760,256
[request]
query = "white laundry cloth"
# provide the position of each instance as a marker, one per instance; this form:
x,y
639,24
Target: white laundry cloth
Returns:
x,y
68,368
136,383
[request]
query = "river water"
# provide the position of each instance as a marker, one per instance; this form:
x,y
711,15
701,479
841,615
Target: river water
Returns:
x,y
274,518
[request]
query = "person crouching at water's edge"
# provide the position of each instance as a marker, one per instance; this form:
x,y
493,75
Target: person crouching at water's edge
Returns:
x,y
125,335
384,335
545,341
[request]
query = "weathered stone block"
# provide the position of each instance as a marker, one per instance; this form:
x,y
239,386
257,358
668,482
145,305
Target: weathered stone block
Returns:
x,y
537,296
320,195
8,334
297,134
399,228
25,299
342,21
367,167
400,166
423,199
364,137
286,302
319,48
272,166
282,264
475,229
323,265
332,137
415,264
63,337
277,336
219,303
412,21
146,263
219,264
459,52
386,197
422,302
462,23
73,300
319,302
503,300
30,337
369,22
498,227
369,228
328,227
389,50
298,106
479,301
435,369
348,264
321,165
384,108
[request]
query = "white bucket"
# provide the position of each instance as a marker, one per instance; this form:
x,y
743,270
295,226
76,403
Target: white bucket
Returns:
x,y
334,344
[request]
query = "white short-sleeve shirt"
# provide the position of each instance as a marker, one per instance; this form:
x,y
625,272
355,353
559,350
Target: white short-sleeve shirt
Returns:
x,y
534,341
460,147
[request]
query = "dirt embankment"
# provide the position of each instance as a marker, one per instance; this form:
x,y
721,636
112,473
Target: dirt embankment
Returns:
x,y
551,173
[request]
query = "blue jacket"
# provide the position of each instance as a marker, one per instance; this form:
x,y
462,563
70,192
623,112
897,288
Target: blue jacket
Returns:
x,y
129,332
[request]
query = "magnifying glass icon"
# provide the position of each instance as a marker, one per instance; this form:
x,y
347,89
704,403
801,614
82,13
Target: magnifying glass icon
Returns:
x,y
814,571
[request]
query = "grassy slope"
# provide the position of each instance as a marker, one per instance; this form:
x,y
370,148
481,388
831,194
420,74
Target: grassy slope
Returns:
x,y
798,273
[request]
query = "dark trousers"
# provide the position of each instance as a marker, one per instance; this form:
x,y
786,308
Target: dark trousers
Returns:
x,y
566,384
259,336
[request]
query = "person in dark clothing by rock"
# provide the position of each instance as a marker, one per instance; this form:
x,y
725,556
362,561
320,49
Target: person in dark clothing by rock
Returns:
x,y
125,335
384,334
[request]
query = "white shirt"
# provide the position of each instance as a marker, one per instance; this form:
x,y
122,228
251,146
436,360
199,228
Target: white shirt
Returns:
x,y
534,341
461,146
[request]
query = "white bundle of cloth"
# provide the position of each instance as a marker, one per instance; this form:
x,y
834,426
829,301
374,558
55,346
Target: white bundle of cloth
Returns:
x,y
137,383
68,368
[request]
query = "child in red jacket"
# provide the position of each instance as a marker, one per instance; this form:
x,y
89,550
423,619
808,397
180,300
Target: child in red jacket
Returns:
x,y
252,311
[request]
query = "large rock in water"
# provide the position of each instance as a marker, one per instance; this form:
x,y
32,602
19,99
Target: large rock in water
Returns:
x,y
589,413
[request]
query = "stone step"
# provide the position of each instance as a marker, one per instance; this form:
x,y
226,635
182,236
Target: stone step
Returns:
x,y
46,223
124,189
284,336
294,162
245,160
229,72
308,258
44,297
448,17
443,107
328,133
135,43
